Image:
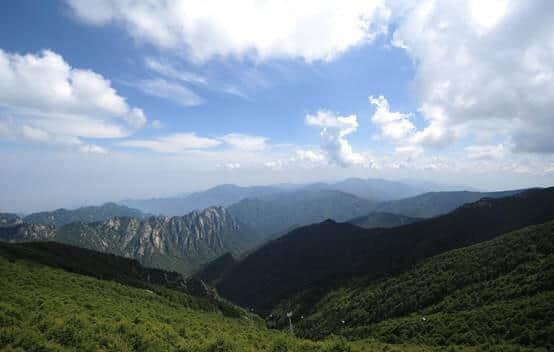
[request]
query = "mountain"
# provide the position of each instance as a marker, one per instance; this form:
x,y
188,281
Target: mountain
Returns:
x,y
47,306
222,195
433,204
272,214
9,219
180,244
212,272
23,232
101,265
378,219
329,252
88,214
497,290
376,189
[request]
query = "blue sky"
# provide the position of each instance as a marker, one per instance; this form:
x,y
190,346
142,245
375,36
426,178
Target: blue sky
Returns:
x,y
109,100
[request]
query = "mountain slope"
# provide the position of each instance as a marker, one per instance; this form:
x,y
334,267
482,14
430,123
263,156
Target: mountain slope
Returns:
x,y
501,289
45,308
433,204
23,232
62,217
222,195
330,251
212,272
275,213
174,243
378,219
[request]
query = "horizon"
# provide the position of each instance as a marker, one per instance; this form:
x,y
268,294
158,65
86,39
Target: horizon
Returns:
x,y
98,105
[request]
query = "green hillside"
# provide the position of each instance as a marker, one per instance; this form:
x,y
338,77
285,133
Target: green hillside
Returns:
x,y
496,292
49,309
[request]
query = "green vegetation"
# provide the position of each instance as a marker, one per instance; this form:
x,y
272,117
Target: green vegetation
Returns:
x,y
496,292
48,309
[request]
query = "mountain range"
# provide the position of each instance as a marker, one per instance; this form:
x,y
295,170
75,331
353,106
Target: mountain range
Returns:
x,y
277,212
376,190
478,277
329,252
430,204
173,243
60,217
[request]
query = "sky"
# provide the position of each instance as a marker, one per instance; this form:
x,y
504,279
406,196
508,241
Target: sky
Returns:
x,y
108,100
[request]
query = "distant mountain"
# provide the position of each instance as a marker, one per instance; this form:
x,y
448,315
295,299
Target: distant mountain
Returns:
x,y
275,213
180,244
329,252
88,214
376,189
378,219
9,219
436,203
24,232
222,195
497,289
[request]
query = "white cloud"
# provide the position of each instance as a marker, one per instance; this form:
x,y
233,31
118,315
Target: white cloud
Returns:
x,y
482,67
310,156
232,166
50,101
311,30
169,71
245,142
395,126
169,90
333,137
498,151
175,143
275,165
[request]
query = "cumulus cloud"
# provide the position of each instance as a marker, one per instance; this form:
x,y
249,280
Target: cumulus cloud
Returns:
x,y
395,126
334,130
311,30
482,67
50,101
174,143
245,142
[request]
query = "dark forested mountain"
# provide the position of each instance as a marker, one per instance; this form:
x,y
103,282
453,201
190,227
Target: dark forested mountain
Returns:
x,y
436,203
502,289
214,271
88,214
176,243
222,195
272,214
378,219
328,251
